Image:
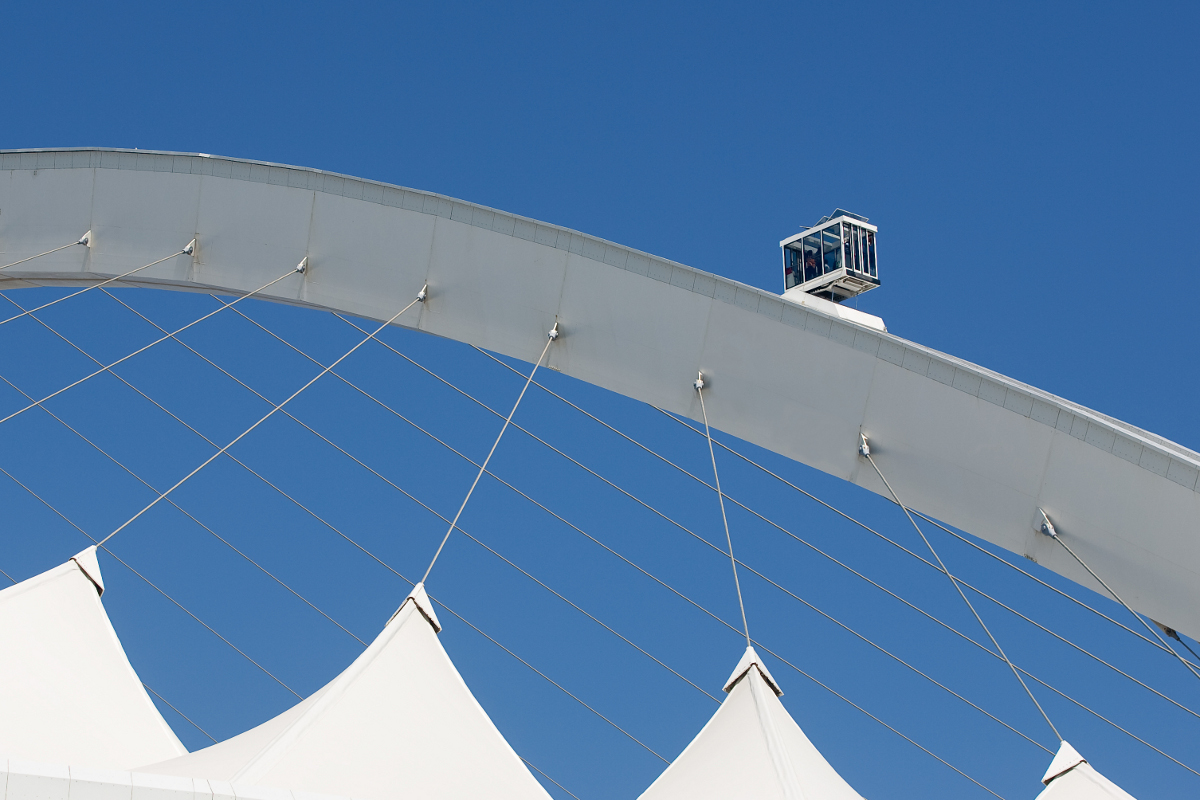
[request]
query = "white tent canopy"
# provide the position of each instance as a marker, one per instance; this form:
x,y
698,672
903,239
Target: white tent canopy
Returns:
x,y
67,690
397,723
1070,777
750,748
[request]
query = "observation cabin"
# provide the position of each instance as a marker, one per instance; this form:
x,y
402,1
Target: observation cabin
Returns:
x,y
834,259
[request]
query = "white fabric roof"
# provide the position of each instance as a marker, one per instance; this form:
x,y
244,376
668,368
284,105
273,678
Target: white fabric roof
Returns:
x,y
750,748
1070,777
397,723
67,690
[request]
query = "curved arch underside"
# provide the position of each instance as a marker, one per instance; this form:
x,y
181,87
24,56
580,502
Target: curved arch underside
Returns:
x,y
975,449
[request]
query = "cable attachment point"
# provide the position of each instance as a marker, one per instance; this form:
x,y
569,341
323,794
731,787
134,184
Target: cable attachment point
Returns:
x,y
86,239
190,249
1168,630
423,294
699,383
1047,526
864,447
302,267
553,334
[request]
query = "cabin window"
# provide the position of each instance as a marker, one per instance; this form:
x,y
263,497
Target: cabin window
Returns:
x,y
853,252
831,248
793,267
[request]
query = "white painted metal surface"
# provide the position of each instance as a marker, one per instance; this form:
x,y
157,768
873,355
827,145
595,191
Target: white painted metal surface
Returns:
x,y
963,444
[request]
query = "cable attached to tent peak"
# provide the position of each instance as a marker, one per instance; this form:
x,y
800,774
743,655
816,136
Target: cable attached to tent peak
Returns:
x,y
865,451
551,336
699,385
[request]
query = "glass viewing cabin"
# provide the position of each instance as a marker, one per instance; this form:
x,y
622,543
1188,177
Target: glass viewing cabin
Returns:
x,y
834,259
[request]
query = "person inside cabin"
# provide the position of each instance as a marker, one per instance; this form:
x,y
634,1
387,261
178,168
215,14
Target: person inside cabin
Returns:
x,y
832,257
810,265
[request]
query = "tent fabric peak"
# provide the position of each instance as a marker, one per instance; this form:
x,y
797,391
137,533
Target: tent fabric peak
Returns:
x,y
751,747
1071,777
398,722
750,659
90,566
68,692
420,599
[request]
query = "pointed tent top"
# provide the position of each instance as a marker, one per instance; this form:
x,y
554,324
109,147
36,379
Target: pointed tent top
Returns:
x,y
1071,777
423,604
69,693
750,748
751,659
1067,758
398,722
87,563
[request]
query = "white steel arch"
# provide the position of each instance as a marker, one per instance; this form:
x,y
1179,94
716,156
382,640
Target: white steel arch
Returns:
x,y
960,443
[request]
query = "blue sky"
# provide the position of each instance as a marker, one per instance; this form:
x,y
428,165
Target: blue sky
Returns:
x,y
1031,168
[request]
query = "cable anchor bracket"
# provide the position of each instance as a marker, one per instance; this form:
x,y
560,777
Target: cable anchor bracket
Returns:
x,y
1047,527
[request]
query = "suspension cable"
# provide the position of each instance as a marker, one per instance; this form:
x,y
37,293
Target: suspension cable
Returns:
x,y
263,419
1049,529
143,349
550,337
81,240
866,452
530,764
699,386
146,686
555,683
185,251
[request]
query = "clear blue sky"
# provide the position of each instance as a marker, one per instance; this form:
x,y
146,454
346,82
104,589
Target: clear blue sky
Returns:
x,y
1032,169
